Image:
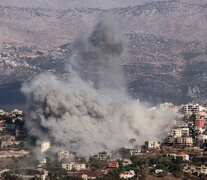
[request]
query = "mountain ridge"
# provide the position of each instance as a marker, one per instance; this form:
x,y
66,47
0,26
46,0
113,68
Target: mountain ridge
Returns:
x,y
167,46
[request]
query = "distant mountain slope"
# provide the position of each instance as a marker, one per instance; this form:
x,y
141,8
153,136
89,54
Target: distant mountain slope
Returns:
x,y
167,46
162,69
50,27
67,4
159,69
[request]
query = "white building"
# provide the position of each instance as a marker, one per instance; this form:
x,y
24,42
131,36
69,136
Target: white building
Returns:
x,y
134,150
183,155
152,145
44,146
127,174
17,112
180,132
202,169
73,165
44,173
126,162
2,112
103,156
181,124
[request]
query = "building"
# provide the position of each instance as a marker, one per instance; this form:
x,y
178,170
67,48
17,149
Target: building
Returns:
x,y
127,174
75,166
17,112
103,156
126,162
1,128
2,112
169,140
185,141
6,144
63,154
42,163
113,164
44,146
134,151
19,133
180,132
181,124
176,132
152,145
183,155
44,173
86,177
202,169
199,123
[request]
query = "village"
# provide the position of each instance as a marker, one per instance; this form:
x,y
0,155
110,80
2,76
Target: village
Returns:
x,y
181,154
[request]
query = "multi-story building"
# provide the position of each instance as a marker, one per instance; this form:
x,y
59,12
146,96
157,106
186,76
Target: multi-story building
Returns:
x,y
199,123
72,165
203,108
169,140
134,151
176,132
113,164
180,132
190,109
152,145
103,156
181,124
183,141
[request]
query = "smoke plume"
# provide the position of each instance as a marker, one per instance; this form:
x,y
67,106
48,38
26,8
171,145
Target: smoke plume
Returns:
x,y
90,111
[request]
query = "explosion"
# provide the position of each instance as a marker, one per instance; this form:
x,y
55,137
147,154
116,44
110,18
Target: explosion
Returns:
x,y
90,110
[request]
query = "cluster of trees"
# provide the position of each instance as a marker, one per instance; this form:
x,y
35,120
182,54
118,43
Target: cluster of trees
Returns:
x,y
199,160
145,166
96,164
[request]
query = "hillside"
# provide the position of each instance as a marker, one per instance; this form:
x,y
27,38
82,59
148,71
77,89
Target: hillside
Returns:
x,y
167,45
42,27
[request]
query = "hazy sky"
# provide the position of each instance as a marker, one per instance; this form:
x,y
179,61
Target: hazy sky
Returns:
x,y
65,4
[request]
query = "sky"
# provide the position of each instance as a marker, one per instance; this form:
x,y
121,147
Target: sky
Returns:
x,y
66,4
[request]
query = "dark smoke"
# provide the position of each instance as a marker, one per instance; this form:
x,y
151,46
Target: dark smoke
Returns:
x,y
78,116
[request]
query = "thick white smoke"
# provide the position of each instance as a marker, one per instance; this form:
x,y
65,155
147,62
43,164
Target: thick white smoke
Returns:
x,y
93,113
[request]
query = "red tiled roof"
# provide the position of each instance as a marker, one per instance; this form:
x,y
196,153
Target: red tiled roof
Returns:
x,y
181,154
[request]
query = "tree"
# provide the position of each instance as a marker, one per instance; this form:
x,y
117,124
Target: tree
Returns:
x,y
177,174
134,160
36,178
145,171
9,176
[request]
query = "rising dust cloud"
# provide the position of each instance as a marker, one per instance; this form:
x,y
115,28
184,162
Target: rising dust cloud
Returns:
x,y
91,113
